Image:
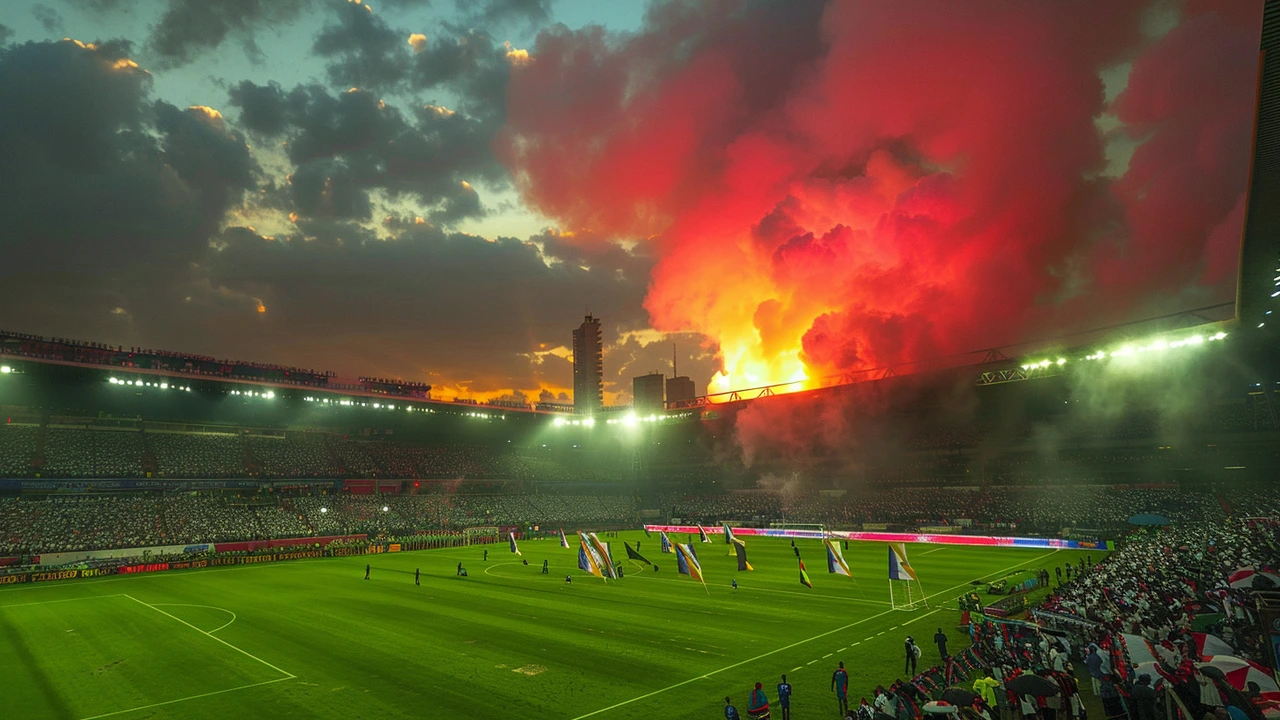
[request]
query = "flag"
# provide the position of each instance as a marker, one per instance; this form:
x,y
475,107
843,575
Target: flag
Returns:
x,y
899,568
587,560
804,577
646,532
740,548
635,555
666,544
564,541
835,560
728,535
687,562
702,535
514,549
606,557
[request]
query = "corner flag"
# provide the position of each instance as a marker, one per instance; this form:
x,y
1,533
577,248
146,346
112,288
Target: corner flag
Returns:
x,y
804,577
899,568
514,549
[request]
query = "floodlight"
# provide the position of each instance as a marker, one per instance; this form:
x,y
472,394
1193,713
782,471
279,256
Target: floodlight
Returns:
x,y
5,369
324,510
385,508
589,422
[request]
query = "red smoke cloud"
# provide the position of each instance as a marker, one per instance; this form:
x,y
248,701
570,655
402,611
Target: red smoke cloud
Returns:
x,y
845,186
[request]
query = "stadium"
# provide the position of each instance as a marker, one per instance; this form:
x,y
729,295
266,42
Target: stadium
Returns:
x,y
1079,524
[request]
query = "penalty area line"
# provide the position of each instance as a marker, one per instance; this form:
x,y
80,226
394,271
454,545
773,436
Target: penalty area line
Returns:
x,y
819,636
191,697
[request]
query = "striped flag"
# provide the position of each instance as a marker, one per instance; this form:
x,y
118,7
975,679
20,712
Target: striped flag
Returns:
x,y
804,577
740,548
666,544
835,560
702,535
606,557
564,541
587,560
729,539
899,568
687,562
514,549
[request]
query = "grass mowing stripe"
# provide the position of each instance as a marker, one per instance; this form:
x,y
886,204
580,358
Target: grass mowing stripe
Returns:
x,y
801,642
185,699
215,637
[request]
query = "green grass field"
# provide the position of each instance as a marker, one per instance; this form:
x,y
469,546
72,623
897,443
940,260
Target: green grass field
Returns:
x,y
312,638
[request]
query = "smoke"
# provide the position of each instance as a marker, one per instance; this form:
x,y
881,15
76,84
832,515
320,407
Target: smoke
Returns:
x,y
833,187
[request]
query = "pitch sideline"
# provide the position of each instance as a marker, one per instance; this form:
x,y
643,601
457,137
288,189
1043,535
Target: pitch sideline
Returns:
x,y
801,642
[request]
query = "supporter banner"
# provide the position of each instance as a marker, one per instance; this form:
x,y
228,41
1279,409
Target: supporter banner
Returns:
x,y
1024,542
67,558
252,545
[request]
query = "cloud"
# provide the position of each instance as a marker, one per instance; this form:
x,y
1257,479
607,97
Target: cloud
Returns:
x,y
107,195
420,301
5,33
351,143
869,184
189,28
530,13
48,18
363,50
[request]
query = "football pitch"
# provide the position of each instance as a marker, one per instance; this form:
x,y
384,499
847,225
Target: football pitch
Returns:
x,y
312,638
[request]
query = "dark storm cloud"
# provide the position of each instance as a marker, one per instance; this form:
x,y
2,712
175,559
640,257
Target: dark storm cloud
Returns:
x,y
445,301
189,28
47,17
500,12
103,190
352,143
469,63
363,51
5,34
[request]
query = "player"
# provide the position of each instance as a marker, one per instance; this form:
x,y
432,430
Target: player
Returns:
x,y
912,652
545,569
366,571
486,555
840,686
734,583
784,698
568,579
730,712
758,705
417,576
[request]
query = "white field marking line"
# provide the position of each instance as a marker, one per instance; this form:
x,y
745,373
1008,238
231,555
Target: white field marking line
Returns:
x,y
192,697
211,607
797,668
215,637
801,642
926,552
47,602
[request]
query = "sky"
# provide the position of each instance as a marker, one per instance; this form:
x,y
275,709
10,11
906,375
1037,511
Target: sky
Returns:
x,y
783,190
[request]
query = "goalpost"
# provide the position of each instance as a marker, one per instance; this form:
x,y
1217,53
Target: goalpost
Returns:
x,y
475,535
819,527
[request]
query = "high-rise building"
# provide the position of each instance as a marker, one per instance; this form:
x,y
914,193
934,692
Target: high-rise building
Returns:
x,y
647,393
680,390
588,367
